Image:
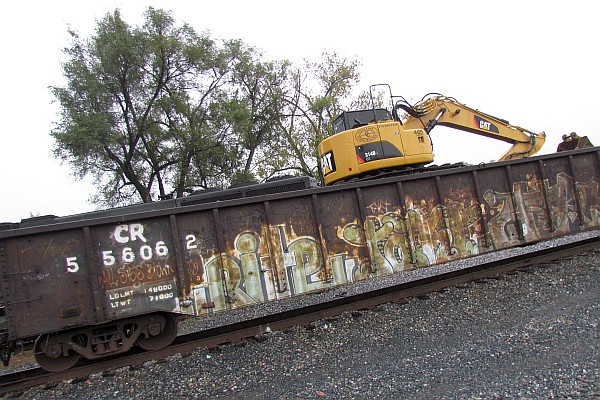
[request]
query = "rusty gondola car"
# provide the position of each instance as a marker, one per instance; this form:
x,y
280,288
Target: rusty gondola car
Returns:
x,y
97,284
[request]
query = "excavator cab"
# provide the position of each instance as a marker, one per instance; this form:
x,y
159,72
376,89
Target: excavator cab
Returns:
x,y
354,119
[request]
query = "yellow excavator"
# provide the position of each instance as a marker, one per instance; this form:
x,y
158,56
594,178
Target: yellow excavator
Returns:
x,y
367,141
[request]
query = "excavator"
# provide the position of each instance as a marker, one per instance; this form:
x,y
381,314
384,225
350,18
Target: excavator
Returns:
x,y
366,142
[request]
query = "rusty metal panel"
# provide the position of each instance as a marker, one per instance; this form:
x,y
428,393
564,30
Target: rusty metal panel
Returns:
x,y
387,232
529,201
498,207
136,266
587,184
48,283
561,196
197,233
295,244
462,214
235,272
342,231
252,253
427,230
586,166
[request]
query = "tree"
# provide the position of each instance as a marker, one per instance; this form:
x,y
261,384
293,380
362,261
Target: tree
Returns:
x,y
258,101
141,106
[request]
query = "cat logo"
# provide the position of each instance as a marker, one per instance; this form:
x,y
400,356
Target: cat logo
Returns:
x,y
485,125
327,163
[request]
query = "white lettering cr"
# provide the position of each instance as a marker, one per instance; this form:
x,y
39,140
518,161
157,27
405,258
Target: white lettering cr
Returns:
x,y
136,231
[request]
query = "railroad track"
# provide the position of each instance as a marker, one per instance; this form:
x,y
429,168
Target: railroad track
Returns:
x,y
258,327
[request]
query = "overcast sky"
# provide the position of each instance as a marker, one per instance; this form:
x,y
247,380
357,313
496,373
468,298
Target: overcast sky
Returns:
x,y
534,63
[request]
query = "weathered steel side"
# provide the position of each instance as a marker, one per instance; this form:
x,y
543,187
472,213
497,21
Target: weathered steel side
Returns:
x,y
41,294
208,258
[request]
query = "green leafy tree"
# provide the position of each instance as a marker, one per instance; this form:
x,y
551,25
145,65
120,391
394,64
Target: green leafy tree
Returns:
x,y
142,107
258,101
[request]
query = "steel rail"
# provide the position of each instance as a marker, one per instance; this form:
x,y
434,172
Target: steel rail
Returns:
x,y
238,332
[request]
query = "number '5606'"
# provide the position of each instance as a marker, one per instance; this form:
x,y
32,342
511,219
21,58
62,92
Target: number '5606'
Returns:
x,y
128,255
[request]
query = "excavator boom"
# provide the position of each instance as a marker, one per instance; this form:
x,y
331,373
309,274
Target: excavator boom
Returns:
x,y
446,111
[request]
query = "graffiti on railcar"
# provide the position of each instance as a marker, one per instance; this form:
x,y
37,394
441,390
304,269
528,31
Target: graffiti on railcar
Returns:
x,y
248,275
589,197
523,215
420,238
278,263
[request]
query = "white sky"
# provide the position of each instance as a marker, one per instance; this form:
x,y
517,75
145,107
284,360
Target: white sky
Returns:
x,y
534,63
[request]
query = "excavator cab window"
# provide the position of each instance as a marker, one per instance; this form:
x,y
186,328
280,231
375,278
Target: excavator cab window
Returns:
x,y
354,119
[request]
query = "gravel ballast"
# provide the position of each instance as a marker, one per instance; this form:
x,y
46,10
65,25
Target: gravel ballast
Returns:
x,y
531,334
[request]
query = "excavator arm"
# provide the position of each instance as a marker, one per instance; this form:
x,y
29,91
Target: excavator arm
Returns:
x,y
446,111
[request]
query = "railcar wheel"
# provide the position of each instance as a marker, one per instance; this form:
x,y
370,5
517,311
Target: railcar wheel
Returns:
x,y
161,332
49,355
